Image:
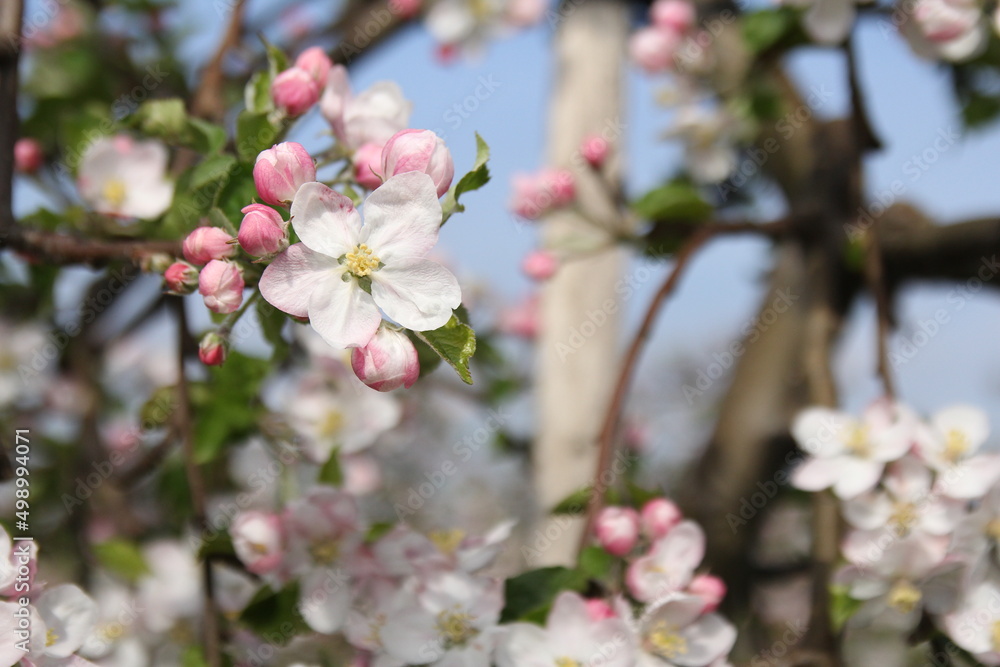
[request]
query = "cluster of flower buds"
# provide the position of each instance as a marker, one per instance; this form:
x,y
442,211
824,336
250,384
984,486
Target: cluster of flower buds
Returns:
x,y
536,194
297,89
655,47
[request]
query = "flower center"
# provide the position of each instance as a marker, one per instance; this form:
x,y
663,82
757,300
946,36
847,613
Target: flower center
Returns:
x,y
114,192
51,637
331,424
956,445
566,662
360,261
325,552
995,633
455,628
447,540
666,642
904,597
993,529
857,441
903,517
258,548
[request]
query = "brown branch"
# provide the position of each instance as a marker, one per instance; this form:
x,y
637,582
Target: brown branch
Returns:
x,y
196,486
208,100
57,248
609,427
11,12
875,276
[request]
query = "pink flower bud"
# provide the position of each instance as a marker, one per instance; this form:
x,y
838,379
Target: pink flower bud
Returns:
x,y
207,243
295,91
617,529
315,61
263,233
419,150
387,362
653,49
709,588
181,278
594,150
212,349
368,165
28,155
675,15
598,610
406,9
280,170
258,540
525,13
539,265
521,320
221,285
534,195
658,517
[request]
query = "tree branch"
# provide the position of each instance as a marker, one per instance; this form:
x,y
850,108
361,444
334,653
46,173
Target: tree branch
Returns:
x,y
11,12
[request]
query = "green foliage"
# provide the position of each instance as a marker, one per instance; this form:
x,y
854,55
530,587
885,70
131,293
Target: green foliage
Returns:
x,y
254,133
596,563
769,28
217,544
975,86
455,342
574,503
275,614
529,596
227,407
676,201
842,606
272,322
121,557
476,178
331,472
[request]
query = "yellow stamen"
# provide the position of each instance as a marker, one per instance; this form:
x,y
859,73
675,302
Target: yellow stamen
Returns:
x,y
993,529
456,628
114,192
258,548
995,632
360,261
666,642
857,441
51,637
903,518
904,597
325,552
331,424
567,662
956,445
447,540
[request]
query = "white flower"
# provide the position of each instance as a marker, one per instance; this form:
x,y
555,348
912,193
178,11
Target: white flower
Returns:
x,y
850,454
570,638
123,177
975,625
342,272
950,444
371,117
669,565
676,632
172,589
708,142
64,619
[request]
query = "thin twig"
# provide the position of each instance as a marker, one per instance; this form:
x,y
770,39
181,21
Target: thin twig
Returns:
x,y
196,486
208,101
874,274
612,416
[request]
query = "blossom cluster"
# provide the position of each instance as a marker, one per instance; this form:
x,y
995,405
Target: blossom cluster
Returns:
x,y
923,505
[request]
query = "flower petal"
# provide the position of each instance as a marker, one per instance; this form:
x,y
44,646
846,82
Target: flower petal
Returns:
x,y
325,220
419,295
343,314
402,218
292,277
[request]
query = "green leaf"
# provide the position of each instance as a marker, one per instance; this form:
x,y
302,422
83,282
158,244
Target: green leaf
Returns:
x,y
257,93
455,342
529,596
596,563
193,657
331,472
205,137
157,410
227,406
842,606
218,544
676,200
428,358
276,59
574,503
254,133
476,178
272,323
275,614
121,557
166,119
211,170
765,28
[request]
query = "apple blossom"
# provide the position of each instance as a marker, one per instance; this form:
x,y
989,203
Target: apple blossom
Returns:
x,y
653,49
949,29
669,565
594,150
367,162
950,445
123,177
849,454
678,631
181,278
258,540
204,244
315,61
617,529
280,170
389,360
710,589
404,552
62,619
295,90
419,150
536,194
599,609
221,285
975,624
827,21
370,117
327,277
570,637
540,265
658,517
28,155
676,15
212,350
263,232
171,591
708,141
